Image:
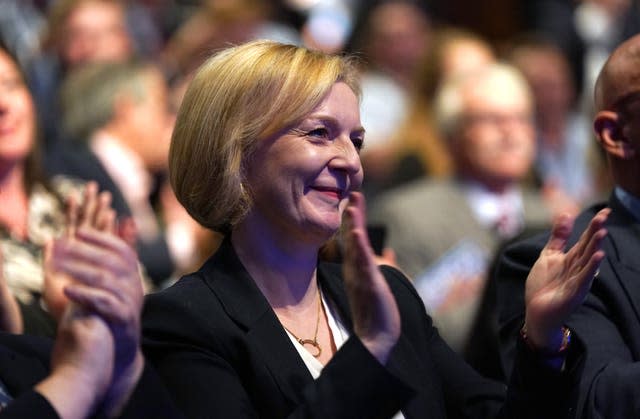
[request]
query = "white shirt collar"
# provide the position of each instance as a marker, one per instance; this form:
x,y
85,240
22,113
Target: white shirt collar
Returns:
x,y
488,206
124,166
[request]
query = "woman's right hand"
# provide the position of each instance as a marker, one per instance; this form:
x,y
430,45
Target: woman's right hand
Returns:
x,y
375,313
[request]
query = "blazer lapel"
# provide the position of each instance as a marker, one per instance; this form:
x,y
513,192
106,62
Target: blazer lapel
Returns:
x,y
246,305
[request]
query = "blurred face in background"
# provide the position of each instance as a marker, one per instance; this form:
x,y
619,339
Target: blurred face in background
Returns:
x,y
95,31
465,55
549,76
495,141
151,121
399,38
17,113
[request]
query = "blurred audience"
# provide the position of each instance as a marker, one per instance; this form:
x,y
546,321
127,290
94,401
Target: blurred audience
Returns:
x,y
444,231
393,39
95,368
122,112
586,31
566,156
78,32
419,149
218,24
21,24
31,206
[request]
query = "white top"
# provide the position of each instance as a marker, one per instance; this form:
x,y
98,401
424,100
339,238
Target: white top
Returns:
x,y
489,207
340,336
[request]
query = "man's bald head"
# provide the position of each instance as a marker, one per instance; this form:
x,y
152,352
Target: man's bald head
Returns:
x,y
620,75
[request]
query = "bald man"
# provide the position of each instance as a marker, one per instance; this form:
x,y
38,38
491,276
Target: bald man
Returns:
x,y
609,320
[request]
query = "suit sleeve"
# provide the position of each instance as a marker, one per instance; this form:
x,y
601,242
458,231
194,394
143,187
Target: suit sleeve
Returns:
x,y
150,399
29,405
205,384
511,273
534,390
610,385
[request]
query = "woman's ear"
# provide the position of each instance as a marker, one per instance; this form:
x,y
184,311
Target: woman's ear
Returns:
x,y
609,133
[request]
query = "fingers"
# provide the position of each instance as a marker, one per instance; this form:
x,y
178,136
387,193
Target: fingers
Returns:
x,y
99,278
585,257
72,214
355,222
93,210
78,250
595,225
89,206
105,216
560,232
97,246
104,303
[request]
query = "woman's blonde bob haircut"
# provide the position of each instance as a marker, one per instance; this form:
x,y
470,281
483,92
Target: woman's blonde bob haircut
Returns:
x,y
238,97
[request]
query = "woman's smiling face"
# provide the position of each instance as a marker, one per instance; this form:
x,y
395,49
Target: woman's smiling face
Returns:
x,y
300,180
17,113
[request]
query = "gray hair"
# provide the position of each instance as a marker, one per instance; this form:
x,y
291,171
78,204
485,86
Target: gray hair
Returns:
x,y
88,95
449,106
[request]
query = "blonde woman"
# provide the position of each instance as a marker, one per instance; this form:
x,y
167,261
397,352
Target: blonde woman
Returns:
x,y
266,150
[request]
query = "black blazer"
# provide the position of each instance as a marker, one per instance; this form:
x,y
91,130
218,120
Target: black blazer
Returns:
x,y
223,354
24,361
608,322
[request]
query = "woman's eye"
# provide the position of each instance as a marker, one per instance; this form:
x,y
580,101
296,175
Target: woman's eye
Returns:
x,y
318,132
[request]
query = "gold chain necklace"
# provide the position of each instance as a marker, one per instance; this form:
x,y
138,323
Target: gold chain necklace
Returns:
x,y
313,342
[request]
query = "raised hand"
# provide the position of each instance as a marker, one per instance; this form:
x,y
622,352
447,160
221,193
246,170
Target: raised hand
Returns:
x,y
559,282
375,313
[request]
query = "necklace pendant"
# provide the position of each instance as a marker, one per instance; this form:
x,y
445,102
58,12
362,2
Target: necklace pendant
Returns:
x,y
313,343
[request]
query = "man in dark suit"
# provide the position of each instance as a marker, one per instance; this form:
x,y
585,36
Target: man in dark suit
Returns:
x,y
609,320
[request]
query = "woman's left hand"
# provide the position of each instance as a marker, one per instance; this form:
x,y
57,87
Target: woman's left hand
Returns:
x,y
559,282
376,318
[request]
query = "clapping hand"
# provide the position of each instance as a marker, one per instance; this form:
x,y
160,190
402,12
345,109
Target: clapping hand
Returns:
x,y
375,313
92,211
107,282
559,281
98,273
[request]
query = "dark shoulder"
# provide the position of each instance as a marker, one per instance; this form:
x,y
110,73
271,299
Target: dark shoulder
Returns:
x,y
184,309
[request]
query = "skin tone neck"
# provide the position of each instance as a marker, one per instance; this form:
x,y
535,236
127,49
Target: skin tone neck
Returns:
x,y
285,271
